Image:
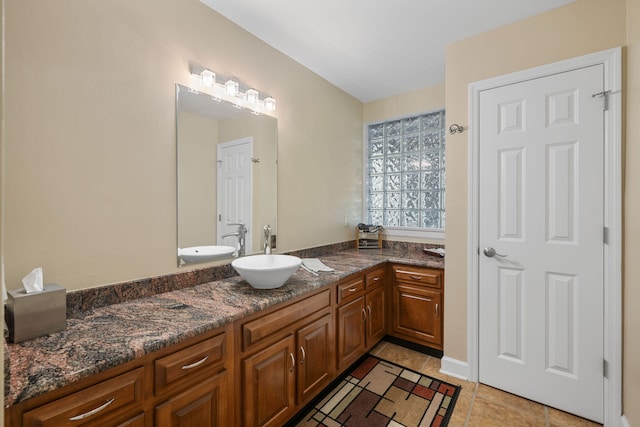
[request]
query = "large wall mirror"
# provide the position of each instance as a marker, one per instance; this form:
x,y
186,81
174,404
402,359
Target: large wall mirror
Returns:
x,y
227,174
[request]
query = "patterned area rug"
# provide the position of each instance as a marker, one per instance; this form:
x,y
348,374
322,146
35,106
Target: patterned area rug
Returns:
x,y
380,393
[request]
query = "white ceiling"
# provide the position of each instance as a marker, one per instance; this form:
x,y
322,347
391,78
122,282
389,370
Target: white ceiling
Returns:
x,y
373,49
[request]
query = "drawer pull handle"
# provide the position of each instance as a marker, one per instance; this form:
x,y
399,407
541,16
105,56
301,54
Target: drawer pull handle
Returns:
x,y
352,289
411,276
364,312
304,355
195,364
375,279
437,310
293,362
369,310
93,411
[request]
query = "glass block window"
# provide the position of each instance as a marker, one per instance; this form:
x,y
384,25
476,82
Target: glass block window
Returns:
x,y
406,172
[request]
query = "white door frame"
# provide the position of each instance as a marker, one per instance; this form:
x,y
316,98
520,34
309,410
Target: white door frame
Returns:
x,y
611,60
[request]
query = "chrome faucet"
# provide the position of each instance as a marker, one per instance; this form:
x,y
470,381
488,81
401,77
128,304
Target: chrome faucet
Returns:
x,y
267,239
240,234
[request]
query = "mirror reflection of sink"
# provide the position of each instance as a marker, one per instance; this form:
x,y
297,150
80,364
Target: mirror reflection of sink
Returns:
x,y
266,271
205,253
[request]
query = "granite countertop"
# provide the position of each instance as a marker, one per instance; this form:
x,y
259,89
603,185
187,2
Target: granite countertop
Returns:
x,y
99,339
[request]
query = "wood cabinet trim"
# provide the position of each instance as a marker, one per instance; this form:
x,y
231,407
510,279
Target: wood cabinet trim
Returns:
x,y
97,403
189,362
418,275
374,279
350,289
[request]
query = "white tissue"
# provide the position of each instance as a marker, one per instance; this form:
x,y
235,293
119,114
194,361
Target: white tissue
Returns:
x,y
32,282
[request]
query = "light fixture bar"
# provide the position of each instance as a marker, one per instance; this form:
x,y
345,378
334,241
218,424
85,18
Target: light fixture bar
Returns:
x,y
232,90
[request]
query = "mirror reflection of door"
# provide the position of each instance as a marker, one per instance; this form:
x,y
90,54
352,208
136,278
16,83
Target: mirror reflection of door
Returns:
x,y
203,123
235,190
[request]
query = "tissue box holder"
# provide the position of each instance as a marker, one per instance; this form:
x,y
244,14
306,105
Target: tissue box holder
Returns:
x,y
36,314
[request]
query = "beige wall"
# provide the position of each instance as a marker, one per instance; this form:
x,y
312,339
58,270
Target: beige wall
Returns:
x,y
90,136
580,28
418,101
631,322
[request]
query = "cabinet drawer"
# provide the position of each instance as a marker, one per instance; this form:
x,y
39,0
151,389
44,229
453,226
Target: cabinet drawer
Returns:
x,y
256,330
374,279
190,361
418,275
96,405
350,289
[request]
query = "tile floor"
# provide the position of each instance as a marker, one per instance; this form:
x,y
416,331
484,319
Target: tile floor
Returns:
x,y
478,404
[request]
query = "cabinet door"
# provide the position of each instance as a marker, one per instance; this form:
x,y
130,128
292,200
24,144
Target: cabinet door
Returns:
x,y
351,338
268,380
202,405
315,357
376,315
417,314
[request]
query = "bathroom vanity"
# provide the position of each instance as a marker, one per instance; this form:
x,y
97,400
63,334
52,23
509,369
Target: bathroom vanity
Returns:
x,y
223,353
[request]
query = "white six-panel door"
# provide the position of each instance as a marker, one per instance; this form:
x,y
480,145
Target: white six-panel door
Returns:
x,y
235,189
541,193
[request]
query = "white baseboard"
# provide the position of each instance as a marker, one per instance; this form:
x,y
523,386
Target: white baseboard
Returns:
x,y
624,422
454,368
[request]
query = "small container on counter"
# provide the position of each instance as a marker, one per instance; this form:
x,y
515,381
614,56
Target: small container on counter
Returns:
x,y
32,315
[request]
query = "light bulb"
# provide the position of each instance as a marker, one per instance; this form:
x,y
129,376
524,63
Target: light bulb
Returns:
x,y
252,96
231,87
270,104
208,78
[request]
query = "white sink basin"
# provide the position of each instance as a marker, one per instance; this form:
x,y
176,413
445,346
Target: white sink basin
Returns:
x,y
205,253
266,271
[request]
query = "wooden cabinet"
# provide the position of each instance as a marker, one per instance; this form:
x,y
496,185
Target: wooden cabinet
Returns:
x,y
361,316
315,358
350,332
259,370
287,358
268,379
187,384
417,313
204,404
193,384
375,307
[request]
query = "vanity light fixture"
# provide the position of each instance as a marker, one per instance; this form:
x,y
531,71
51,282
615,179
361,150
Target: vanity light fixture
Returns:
x,y
240,95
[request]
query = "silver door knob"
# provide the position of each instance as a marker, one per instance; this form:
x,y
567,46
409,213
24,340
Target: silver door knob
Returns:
x,y
490,252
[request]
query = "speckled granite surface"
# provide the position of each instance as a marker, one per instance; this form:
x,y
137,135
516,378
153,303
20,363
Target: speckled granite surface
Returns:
x,y
104,337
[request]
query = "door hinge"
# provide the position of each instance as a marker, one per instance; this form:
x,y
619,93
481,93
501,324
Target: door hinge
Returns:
x,y
605,235
605,368
605,98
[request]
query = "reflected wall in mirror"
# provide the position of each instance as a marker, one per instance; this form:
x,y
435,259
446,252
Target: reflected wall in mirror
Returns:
x,y
226,174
